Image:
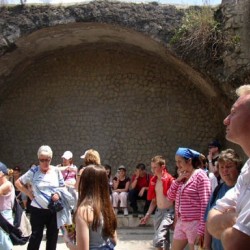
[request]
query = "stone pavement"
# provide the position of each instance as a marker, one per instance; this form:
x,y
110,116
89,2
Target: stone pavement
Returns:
x,y
131,235
133,238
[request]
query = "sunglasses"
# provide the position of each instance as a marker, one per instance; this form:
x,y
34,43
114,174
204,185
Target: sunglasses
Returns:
x,y
44,160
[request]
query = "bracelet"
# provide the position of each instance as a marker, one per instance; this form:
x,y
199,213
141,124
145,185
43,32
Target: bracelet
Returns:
x,y
147,214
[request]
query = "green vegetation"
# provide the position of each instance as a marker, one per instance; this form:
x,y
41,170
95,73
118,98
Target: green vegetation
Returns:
x,y
235,39
201,35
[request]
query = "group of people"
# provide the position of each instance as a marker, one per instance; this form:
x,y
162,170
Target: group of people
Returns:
x,y
205,206
124,189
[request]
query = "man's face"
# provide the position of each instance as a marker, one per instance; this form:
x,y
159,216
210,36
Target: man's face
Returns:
x,y
156,168
137,171
213,150
140,172
238,121
16,173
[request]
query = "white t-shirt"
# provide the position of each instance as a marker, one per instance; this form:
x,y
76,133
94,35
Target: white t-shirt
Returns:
x,y
213,181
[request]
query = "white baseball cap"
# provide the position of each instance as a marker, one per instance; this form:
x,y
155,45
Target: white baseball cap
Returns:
x,y
84,155
67,155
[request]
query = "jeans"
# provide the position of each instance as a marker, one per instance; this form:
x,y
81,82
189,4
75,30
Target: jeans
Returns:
x,y
5,242
133,197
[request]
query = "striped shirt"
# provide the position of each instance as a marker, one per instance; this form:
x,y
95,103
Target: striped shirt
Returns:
x,y
191,198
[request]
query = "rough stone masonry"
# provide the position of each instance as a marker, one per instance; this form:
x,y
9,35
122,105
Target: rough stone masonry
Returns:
x,y
101,75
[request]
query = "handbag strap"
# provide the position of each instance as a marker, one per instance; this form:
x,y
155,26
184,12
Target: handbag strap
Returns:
x,y
65,178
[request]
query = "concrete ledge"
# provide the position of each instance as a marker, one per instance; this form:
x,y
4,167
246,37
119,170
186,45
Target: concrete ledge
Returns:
x,y
130,221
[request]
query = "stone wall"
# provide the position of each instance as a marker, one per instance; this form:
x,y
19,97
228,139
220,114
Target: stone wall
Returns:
x,y
157,21
236,18
126,103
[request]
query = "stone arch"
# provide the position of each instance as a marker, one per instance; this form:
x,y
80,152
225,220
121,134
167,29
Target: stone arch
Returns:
x,y
82,85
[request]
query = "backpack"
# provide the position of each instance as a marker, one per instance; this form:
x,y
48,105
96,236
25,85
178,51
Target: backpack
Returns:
x,y
20,231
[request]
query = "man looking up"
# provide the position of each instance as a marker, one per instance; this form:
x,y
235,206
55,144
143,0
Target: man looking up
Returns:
x,y
229,220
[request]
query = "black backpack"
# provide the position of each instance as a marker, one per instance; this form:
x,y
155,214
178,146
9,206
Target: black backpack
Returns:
x,y
20,232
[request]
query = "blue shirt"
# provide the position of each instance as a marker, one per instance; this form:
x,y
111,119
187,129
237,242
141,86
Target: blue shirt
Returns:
x,y
43,185
216,244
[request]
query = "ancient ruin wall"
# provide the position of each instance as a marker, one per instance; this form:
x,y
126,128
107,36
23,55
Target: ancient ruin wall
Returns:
x,y
236,18
127,104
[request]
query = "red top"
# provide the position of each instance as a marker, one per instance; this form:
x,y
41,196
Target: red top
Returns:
x,y
142,181
166,182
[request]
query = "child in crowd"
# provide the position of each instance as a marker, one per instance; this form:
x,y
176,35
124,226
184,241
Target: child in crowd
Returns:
x,y
158,187
191,192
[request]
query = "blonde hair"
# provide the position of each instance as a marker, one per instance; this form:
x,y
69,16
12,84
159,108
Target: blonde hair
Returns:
x,y
92,157
243,90
158,159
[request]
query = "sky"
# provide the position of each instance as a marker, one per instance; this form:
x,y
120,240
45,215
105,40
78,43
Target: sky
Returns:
x,y
182,2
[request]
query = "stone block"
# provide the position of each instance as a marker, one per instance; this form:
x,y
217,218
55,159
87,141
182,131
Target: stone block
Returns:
x,y
130,221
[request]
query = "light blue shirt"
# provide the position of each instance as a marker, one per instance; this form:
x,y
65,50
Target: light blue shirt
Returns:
x,y
43,185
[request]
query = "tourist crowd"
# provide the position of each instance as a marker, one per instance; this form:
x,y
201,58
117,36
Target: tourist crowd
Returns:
x,y
206,203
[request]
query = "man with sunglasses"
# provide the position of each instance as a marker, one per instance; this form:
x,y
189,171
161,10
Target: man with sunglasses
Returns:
x,y
45,179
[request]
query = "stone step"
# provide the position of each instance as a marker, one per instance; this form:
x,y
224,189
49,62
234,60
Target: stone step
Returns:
x,y
130,221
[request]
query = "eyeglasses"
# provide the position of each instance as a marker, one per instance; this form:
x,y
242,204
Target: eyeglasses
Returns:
x,y
44,160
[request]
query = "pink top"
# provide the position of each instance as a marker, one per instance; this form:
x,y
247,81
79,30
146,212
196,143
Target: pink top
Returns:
x,y
7,201
191,198
69,175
